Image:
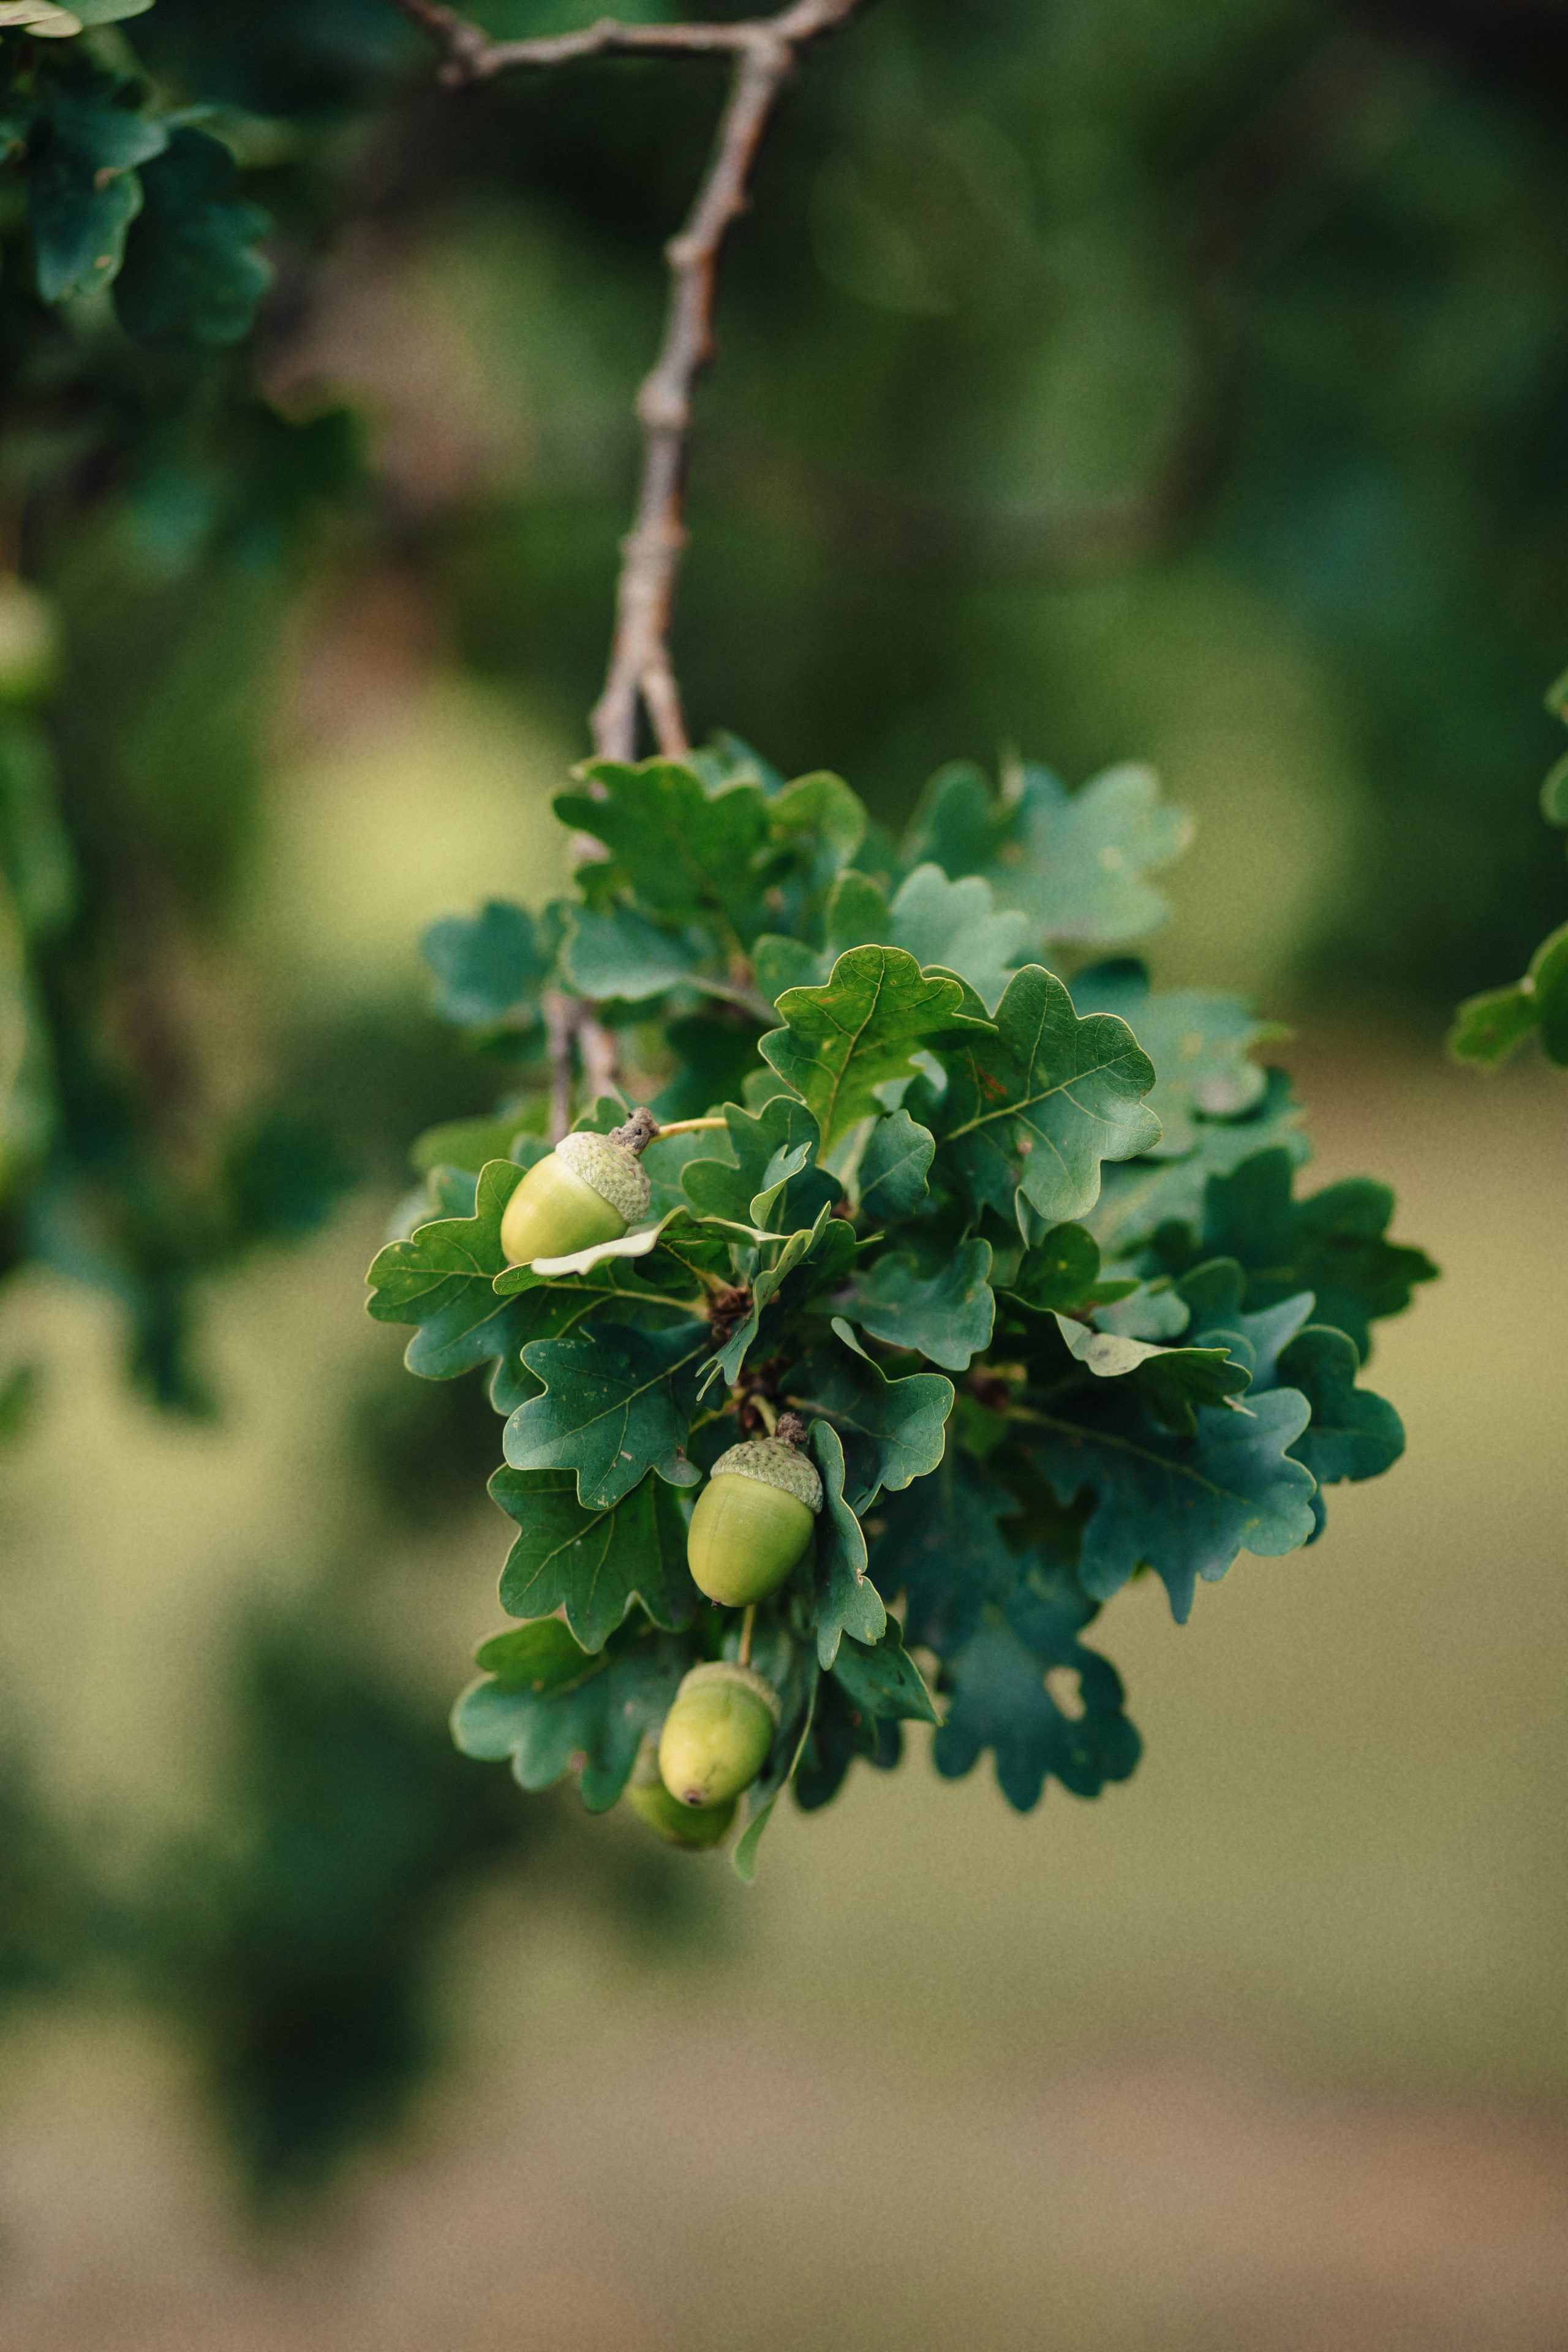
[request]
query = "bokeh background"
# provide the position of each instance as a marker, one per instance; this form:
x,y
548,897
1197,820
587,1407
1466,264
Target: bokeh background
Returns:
x,y
1173,379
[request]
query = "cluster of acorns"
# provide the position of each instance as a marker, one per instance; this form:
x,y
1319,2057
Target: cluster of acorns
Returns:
x,y
753,1521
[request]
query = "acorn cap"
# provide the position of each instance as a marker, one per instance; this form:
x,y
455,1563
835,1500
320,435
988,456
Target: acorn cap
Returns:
x,y
616,1175
776,1465
722,1670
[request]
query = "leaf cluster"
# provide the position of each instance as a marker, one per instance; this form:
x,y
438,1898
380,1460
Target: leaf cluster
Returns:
x,y
1025,1252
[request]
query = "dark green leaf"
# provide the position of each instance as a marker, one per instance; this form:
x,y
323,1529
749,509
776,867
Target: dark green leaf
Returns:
x,y
539,1657
884,1680
616,1404
620,953
842,1041
946,1317
1144,1193
191,268
593,1564
1352,1434
442,1279
1171,1382
1073,862
83,192
489,968
894,1167
684,852
846,1599
1333,1244
600,1720
1199,1043
893,1431
1001,1701
1182,1506
1037,1108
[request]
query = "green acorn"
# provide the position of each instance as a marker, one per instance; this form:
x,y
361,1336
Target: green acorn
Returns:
x,y
717,1735
695,1827
589,1190
753,1518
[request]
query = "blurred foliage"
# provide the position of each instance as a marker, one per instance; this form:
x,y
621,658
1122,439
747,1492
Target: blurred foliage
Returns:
x,y
1490,1028
1117,378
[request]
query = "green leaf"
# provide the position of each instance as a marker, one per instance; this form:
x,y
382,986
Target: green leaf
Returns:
x,y
727,758
1138,1198
41,18
1073,862
959,926
1061,1271
846,1599
892,1431
715,1056
442,1279
683,852
946,1317
1200,1044
1489,1028
894,1167
1001,1701
472,1143
842,1041
956,925
827,1251
616,1404
940,1543
756,1151
36,855
1182,1506
765,1794
539,1657
1554,793
593,1564
109,12
1549,981
1173,1382
620,953
599,1721
884,1680
489,968
1352,1434
192,270
83,192
1034,1110
1333,1244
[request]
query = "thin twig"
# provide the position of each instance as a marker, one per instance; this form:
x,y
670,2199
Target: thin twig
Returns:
x,y
560,1019
748,1627
766,50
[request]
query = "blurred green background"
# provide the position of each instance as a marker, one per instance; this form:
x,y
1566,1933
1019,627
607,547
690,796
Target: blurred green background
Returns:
x,y
1169,379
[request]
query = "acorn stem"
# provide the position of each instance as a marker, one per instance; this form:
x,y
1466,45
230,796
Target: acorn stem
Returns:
x,y
638,1132
693,1126
769,1412
747,1624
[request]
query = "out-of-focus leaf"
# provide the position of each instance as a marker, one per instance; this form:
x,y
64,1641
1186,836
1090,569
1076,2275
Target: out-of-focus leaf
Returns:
x,y
192,270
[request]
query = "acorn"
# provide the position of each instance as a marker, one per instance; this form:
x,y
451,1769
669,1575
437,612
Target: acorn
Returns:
x,y
588,1189
753,1518
717,1735
695,1827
